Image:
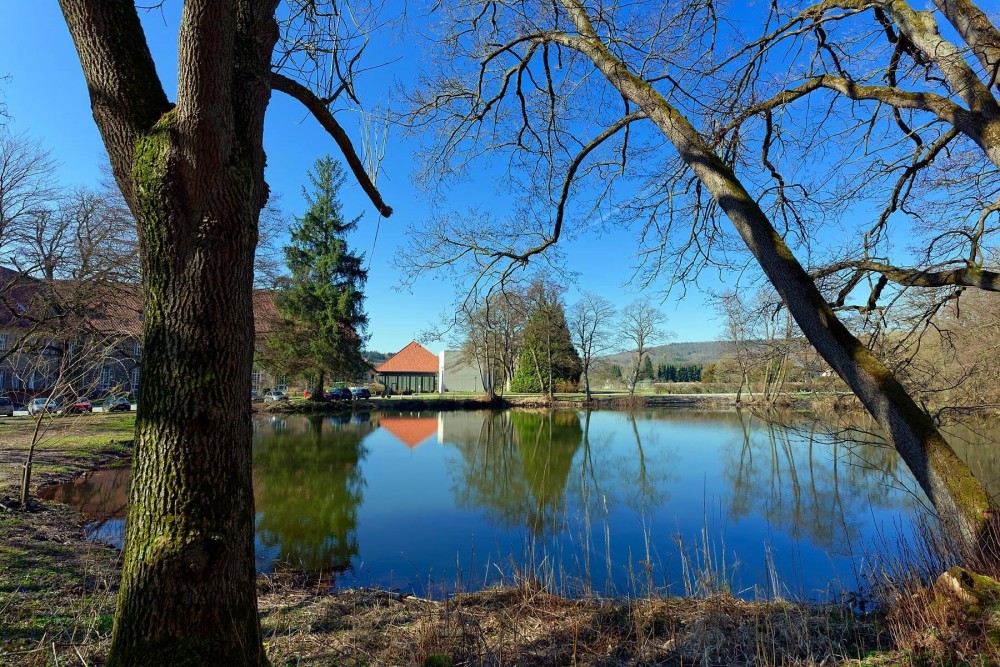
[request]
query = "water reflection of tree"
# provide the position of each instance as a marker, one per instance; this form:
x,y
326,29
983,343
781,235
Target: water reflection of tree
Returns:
x,y
308,488
101,496
821,489
637,475
977,441
518,467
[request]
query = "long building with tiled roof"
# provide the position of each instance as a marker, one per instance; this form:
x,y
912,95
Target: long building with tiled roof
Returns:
x,y
414,369
41,320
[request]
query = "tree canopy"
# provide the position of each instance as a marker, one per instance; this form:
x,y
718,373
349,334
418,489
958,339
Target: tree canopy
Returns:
x,y
322,299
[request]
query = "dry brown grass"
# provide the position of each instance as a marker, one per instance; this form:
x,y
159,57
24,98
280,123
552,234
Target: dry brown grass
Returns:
x,y
526,626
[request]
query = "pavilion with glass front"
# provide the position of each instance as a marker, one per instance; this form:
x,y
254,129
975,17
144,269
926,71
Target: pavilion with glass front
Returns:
x,y
414,370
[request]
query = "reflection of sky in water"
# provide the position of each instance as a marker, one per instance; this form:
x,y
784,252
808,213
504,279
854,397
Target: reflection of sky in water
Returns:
x,y
430,502
111,531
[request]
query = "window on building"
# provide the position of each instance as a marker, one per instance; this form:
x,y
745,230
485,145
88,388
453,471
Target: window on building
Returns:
x,y
137,351
3,341
255,378
135,379
107,378
3,380
282,384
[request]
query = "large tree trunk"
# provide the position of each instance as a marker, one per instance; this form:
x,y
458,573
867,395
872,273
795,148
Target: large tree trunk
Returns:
x,y
959,498
193,176
317,391
188,580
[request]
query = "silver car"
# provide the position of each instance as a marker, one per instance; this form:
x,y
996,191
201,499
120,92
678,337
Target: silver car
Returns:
x,y
275,396
42,404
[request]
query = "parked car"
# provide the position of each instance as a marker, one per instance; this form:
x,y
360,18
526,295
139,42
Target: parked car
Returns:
x,y
308,394
6,407
117,404
275,396
341,394
78,406
361,393
42,404
255,396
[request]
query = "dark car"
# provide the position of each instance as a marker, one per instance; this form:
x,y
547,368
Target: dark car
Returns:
x,y
255,396
361,393
275,396
79,406
117,404
6,407
341,394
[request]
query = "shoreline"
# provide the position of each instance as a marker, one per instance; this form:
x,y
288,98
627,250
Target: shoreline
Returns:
x,y
57,596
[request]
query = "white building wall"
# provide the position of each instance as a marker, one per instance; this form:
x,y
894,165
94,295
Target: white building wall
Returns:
x,y
455,374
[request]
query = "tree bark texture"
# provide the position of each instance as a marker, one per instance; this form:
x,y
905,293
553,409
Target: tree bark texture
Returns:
x,y
192,175
960,500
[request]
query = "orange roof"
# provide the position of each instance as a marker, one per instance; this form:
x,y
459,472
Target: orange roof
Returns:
x,y
413,358
411,430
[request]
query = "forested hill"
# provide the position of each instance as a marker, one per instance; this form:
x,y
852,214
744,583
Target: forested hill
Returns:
x,y
700,353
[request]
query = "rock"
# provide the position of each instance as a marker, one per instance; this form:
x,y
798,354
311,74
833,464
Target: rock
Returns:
x,y
974,590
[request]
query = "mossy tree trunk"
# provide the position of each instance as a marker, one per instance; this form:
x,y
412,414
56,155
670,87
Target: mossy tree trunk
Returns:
x,y
192,174
960,499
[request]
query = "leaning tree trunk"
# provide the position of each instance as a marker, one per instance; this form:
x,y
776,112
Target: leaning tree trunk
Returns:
x,y
193,176
959,498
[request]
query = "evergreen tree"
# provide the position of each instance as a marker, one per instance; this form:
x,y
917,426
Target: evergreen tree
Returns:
x,y
321,301
647,369
547,351
525,380
616,372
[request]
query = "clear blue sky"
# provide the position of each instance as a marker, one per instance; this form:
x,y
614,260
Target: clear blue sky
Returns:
x,y
46,98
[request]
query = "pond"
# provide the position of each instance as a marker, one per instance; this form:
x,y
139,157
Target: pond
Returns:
x,y
608,502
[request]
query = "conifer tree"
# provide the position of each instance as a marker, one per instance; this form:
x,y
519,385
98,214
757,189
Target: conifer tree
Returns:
x,y
322,299
647,369
547,353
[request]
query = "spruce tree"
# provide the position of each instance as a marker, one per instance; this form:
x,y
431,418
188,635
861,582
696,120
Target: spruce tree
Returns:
x,y
647,369
547,354
322,299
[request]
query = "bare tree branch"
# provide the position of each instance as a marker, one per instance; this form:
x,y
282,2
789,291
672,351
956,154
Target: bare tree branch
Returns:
x,y
321,112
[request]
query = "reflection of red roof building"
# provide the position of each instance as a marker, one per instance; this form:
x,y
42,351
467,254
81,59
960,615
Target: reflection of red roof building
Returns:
x,y
411,370
412,431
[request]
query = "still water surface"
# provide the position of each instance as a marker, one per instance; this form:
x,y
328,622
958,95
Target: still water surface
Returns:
x,y
607,501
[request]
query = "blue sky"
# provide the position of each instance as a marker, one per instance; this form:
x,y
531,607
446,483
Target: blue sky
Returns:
x,y
47,99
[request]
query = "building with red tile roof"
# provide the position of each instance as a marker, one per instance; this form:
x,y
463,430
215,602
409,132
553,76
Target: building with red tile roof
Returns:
x,y
413,369
43,320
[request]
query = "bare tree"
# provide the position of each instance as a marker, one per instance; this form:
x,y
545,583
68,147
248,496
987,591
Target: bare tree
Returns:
x,y
589,322
641,326
490,337
535,81
763,340
66,370
191,170
27,182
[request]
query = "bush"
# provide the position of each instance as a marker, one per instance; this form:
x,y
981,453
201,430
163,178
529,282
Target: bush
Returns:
x,y
566,386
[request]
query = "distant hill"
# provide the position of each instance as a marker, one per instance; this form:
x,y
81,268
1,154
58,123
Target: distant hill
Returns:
x,y
704,352
376,358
